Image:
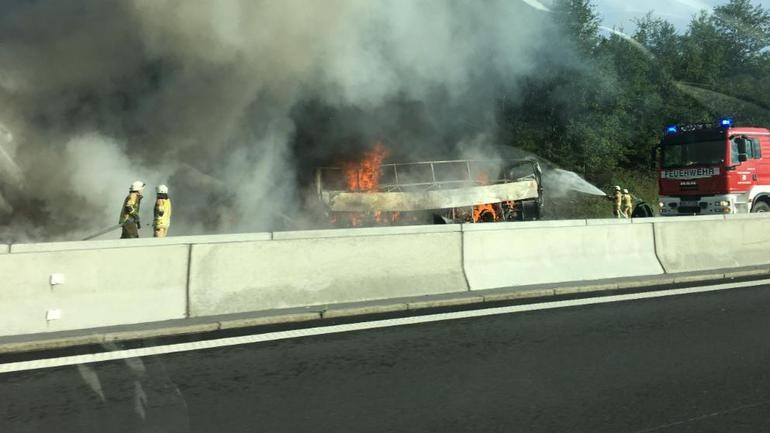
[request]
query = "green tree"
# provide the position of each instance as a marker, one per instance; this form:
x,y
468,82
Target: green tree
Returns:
x,y
725,62
598,103
661,39
744,30
579,21
566,111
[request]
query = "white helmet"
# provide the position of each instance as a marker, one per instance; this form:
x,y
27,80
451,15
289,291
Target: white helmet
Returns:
x,y
161,189
617,188
625,191
137,186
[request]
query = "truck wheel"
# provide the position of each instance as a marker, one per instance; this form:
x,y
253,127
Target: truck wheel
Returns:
x,y
760,206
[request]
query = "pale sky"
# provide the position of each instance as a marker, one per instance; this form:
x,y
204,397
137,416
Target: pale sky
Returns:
x,y
619,13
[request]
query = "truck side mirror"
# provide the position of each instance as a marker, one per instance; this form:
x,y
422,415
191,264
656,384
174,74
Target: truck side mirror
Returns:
x,y
740,147
741,142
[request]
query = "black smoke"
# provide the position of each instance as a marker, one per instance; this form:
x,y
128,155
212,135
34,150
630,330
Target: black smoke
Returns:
x,y
233,103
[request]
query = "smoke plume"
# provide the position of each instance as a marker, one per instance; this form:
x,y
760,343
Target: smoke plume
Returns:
x,y
232,103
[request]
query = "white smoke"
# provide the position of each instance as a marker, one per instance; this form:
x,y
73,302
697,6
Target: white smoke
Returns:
x,y
101,173
203,96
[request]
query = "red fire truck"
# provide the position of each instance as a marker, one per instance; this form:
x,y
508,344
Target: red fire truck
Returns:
x,y
714,168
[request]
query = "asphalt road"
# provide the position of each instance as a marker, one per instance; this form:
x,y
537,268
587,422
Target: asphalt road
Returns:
x,y
694,363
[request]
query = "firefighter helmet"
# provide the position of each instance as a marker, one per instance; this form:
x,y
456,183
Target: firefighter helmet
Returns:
x,y
162,189
137,186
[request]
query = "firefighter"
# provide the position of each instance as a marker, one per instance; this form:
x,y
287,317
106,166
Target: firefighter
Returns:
x,y
162,212
129,215
628,204
616,197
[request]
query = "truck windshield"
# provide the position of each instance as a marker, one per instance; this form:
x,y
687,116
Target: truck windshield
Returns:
x,y
692,154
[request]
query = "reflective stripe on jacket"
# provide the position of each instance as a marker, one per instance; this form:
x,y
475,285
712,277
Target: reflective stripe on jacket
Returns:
x,y
628,201
130,211
162,213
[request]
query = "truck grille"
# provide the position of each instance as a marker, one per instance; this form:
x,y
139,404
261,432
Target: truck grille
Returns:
x,y
693,187
689,210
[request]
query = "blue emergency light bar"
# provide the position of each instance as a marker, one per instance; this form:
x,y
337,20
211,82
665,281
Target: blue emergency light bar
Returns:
x,y
724,122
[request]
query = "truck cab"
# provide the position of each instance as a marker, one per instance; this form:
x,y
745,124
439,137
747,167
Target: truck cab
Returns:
x,y
718,168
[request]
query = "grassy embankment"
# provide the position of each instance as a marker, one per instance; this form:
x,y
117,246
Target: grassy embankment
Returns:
x,y
642,185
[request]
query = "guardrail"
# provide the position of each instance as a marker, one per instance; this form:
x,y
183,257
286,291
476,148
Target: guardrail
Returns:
x,y
48,287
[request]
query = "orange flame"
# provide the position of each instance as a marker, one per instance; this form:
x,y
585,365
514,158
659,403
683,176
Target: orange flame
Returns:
x,y
484,212
364,176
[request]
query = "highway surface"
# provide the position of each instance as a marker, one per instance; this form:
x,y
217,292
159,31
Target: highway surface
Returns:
x,y
690,363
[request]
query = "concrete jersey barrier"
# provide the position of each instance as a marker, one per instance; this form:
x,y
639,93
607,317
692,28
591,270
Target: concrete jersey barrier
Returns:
x,y
100,287
131,281
697,245
347,267
543,255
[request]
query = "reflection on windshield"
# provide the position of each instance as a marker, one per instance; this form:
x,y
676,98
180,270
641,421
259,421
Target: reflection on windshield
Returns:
x,y
691,154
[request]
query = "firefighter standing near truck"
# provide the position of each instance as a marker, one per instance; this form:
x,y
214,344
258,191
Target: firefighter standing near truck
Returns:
x,y
616,197
628,204
129,215
162,212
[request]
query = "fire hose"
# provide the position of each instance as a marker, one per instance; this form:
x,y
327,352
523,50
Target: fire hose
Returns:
x,y
103,231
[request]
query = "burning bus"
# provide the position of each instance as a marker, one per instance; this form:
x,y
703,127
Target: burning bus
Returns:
x,y
371,192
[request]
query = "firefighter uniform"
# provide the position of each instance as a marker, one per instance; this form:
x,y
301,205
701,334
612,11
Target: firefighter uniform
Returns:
x,y
162,214
628,204
129,215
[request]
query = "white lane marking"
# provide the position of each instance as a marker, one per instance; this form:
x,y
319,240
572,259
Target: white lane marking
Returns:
x,y
350,327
